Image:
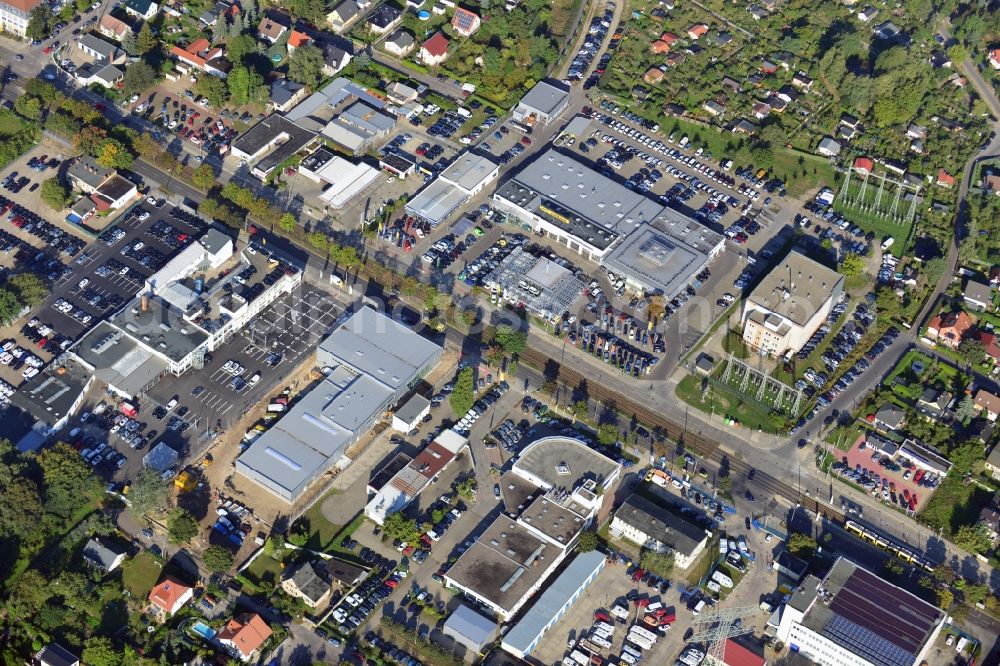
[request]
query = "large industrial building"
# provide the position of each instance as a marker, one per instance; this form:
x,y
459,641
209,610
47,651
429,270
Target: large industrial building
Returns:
x,y
343,180
656,249
790,304
466,177
854,618
370,362
188,308
551,494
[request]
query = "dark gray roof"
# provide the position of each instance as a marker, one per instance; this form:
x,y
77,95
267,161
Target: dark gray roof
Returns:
x,y
87,170
343,572
214,240
661,523
49,395
309,580
548,97
412,408
384,15
347,10
101,553
283,90
54,654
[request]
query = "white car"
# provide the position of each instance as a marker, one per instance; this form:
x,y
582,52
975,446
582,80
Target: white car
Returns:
x,y
144,215
83,283
30,372
254,379
151,200
138,246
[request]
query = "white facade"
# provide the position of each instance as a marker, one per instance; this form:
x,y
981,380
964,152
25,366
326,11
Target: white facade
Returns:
x,y
14,18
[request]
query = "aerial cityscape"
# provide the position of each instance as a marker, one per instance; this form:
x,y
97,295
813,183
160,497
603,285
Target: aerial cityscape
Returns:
x,y
548,332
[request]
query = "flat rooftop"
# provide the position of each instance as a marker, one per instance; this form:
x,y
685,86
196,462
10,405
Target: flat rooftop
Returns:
x,y
160,326
49,395
546,96
557,462
872,618
437,201
555,521
469,170
504,563
383,474
578,198
796,288
118,360
659,261
375,344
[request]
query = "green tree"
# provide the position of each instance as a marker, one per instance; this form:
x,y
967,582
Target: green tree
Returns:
x,y
972,350
130,44
181,526
148,494
802,545
934,269
973,538
287,222
511,340
945,598
966,409
145,41
9,306
398,527
217,559
138,77
112,154
661,564
239,47
306,65
463,396
30,290
245,86
69,481
852,265
54,193
100,651
958,54
38,22
29,107
607,434
203,177
213,89
313,11
588,541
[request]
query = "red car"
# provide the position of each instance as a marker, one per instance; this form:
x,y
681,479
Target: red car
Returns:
x,y
525,141
637,575
391,583
100,107
47,50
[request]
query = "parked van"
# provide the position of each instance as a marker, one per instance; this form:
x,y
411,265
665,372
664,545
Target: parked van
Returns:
x,y
699,607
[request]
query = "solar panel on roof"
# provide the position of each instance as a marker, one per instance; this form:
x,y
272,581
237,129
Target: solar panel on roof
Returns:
x,y
866,643
464,20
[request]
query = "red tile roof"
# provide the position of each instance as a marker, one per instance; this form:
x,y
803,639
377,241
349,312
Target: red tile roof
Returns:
x,y
297,39
945,178
167,594
737,655
669,38
246,632
864,164
437,45
990,344
697,30
23,5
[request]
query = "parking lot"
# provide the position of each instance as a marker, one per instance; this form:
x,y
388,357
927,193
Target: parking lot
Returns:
x,y
270,347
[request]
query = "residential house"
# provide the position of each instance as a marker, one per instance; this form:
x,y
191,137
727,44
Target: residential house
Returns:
x,y
201,55
697,31
802,81
768,67
285,94
170,595
991,345
384,19
343,15
245,634
399,43
87,175
659,47
335,58
653,75
889,418
940,59
674,109
674,59
991,183
829,147
887,30
993,462
868,14
982,430
988,404
989,518
932,403
14,15
434,51
400,94
113,28
788,94
309,583
54,654
757,12
108,76
713,108
220,10
465,22
994,58
743,126
949,328
915,131
978,296
297,40
777,104
103,554
945,179
732,84
101,51
723,38
761,110
863,165
271,29
668,38
141,9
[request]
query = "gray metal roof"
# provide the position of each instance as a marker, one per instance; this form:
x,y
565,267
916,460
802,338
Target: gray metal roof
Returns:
x,y
374,344
662,523
367,118
557,597
437,201
598,208
161,327
161,458
48,396
469,170
54,654
413,408
101,553
93,43
547,97
121,362
467,623
659,261
577,126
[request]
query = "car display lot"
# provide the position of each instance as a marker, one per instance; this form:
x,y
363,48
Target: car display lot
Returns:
x,y
253,363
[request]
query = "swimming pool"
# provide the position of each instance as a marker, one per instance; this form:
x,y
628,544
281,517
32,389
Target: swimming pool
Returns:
x,y
203,629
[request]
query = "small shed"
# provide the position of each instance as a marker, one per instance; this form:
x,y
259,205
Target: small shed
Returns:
x,y
467,627
160,458
410,412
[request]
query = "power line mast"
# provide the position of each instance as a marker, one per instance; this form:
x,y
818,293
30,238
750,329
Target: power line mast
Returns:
x,y
718,626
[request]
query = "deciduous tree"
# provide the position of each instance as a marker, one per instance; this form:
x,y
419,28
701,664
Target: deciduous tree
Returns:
x,y
145,41
54,193
181,526
306,65
217,559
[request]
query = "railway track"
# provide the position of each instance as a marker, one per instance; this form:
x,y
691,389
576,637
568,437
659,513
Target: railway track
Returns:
x,y
675,432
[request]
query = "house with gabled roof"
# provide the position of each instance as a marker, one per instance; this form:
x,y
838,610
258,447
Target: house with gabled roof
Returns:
x,y
434,51
399,43
465,22
271,29
245,634
170,595
950,328
113,28
697,31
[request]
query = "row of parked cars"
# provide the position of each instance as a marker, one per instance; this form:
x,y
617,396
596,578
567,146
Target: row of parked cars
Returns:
x,y
596,33
479,408
35,225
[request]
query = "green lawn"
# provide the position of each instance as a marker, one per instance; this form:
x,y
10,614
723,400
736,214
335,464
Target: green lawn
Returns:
x,y
10,124
747,416
140,574
954,504
265,572
882,226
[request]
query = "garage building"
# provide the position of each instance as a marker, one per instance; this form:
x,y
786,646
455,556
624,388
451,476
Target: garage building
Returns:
x,y
546,100
467,627
468,174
